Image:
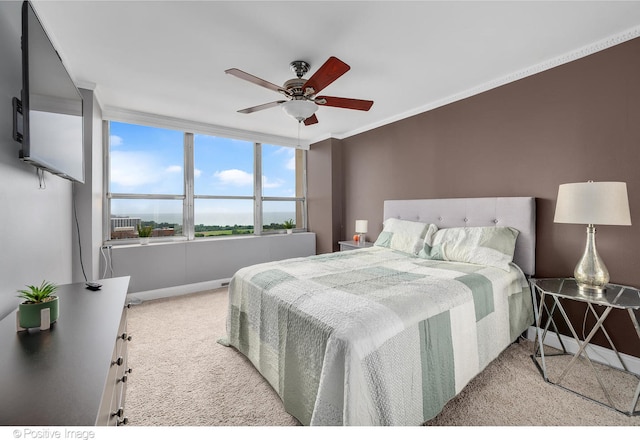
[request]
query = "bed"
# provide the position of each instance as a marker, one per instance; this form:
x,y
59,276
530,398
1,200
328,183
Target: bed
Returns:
x,y
387,335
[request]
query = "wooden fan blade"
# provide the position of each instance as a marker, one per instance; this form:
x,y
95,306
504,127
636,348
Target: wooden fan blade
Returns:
x,y
254,79
313,119
353,104
330,71
261,107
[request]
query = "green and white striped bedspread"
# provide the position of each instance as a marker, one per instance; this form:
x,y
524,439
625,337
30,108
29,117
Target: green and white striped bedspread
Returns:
x,y
373,336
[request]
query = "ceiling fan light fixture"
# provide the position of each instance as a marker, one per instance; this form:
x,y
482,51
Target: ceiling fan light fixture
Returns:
x,y
302,102
299,109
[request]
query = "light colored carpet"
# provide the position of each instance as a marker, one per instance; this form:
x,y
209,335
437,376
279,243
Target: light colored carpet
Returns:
x,y
183,377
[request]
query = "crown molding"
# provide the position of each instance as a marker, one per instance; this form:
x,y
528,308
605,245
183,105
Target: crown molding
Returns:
x,y
512,77
88,85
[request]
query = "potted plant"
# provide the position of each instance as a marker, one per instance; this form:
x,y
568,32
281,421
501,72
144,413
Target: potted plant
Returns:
x,y
144,232
36,299
289,225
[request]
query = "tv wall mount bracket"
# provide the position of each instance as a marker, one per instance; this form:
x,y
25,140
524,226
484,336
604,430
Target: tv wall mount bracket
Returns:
x,y
17,120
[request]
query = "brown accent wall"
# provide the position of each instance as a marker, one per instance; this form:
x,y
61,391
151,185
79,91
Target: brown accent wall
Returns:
x,y
325,194
573,123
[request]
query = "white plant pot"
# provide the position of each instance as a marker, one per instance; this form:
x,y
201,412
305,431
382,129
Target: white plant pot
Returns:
x,y
289,231
144,240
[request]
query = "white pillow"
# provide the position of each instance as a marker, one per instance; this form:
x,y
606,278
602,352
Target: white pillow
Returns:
x,y
486,245
403,235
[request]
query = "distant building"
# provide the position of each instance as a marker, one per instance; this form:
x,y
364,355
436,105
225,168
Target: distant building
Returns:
x,y
127,227
125,222
123,232
124,227
163,232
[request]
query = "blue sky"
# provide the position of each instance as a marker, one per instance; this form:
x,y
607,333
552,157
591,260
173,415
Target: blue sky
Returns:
x,y
149,160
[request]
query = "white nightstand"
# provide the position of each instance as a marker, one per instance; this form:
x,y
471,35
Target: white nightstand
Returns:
x,y
351,245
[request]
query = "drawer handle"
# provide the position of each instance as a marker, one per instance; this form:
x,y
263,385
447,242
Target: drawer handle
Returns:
x,y
118,413
124,421
124,337
123,379
118,362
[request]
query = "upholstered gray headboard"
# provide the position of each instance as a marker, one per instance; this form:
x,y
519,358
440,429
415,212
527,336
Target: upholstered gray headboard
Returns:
x,y
517,212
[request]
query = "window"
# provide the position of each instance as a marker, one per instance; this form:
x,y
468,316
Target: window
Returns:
x,y
146,180
223,186
282,187
194,186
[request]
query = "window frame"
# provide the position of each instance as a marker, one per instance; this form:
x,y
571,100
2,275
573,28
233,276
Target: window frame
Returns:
x,y
188,196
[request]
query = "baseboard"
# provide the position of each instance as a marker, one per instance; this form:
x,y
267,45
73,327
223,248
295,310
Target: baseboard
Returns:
x,y
167,292
596,353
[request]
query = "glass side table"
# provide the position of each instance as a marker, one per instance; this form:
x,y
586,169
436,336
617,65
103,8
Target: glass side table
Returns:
x,y
614,297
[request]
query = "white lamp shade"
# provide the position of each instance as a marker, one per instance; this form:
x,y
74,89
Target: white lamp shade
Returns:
x,y
299,109
593,203
362,226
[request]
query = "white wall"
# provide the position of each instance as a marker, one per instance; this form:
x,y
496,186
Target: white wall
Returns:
x,y
36,242
174,265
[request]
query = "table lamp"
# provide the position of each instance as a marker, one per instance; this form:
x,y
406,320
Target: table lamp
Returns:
x,y
592,203
362,227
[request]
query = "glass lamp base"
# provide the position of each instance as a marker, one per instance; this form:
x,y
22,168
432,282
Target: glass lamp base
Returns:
x,y
593,291
591,274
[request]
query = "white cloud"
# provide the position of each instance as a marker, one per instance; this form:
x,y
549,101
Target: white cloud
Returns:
x,y
133,168
234,177
197,172
115,140
266,183
291,163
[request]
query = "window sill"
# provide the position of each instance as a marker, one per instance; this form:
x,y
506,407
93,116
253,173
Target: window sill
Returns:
x,y
182,239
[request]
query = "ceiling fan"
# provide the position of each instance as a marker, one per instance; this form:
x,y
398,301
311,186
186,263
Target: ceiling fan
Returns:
x,y
302,101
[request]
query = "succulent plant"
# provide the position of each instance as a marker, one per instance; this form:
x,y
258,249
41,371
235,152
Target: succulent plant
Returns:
x,y
38,294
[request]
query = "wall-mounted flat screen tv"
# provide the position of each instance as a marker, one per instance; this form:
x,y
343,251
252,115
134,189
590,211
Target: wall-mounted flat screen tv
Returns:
x,y
51,107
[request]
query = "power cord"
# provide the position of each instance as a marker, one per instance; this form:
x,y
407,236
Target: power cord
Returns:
x,y
75,215
108,261
584,326
111,261
41,182
584,322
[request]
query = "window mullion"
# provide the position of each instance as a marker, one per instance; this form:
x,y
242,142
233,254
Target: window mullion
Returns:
x,y
257,188
142,196
188,205
106,181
